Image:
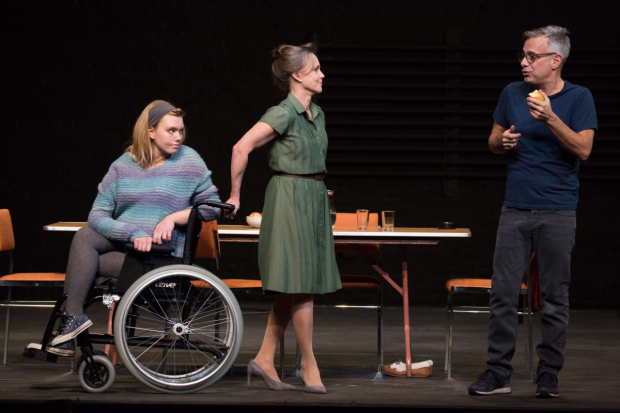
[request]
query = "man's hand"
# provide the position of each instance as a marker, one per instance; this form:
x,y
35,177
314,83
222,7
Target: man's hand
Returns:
x,y
163,230
236,203
143,244
541,111
510,138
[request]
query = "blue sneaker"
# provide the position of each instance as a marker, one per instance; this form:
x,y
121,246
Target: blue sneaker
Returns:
x,y
489,382
547,386
70,327
66,349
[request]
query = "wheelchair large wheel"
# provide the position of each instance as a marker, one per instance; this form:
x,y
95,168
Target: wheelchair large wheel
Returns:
x,y
178,329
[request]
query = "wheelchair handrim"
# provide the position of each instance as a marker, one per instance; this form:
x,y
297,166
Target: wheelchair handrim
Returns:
x,y
195,379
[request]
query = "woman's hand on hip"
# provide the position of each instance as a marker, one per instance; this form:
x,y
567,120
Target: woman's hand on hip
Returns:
x,y
143,244
163,230
236,203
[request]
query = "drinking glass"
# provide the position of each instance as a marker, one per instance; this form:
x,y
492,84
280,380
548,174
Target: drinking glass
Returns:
x,y
388,220
362,219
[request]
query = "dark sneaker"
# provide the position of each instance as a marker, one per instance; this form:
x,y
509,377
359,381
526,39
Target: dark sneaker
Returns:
x,y
490,382
70,327
547,386
66,349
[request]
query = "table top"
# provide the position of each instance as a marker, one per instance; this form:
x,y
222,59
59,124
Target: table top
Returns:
x,y
245,233
65,226
398,232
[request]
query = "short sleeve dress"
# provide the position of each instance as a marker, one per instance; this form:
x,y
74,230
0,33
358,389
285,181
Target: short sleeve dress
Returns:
x,y
296,243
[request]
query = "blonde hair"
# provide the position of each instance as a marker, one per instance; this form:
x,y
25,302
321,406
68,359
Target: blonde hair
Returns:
x,y
140,148
289,59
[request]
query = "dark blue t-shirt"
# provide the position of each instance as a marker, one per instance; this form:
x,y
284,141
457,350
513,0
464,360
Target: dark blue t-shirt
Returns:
x,y
542,174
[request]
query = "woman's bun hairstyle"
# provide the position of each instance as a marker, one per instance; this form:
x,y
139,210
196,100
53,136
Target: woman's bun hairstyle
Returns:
x,y
288,60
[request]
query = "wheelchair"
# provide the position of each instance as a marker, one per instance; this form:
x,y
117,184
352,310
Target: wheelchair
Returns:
x,y
177,328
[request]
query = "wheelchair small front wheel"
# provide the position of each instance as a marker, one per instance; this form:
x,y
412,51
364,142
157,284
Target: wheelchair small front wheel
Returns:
x,y
96,377
178,329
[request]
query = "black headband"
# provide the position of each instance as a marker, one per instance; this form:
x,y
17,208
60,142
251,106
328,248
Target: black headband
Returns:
x,y
159,111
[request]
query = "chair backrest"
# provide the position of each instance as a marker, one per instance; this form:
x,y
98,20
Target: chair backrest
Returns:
x,y
206,243
349,220
7,239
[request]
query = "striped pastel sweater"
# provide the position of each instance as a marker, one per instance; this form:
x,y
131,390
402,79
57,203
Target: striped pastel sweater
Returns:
x,y
132,200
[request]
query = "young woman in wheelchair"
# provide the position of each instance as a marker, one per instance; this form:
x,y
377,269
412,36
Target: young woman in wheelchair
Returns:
x,y
145,198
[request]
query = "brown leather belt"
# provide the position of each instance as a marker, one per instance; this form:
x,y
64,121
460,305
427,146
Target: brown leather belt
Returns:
x,y
316,177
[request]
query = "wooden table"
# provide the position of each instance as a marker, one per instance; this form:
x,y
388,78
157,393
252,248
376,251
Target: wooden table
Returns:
x,y
353,236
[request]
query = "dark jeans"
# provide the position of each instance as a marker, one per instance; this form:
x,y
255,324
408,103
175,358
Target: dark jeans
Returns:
x,y
551,235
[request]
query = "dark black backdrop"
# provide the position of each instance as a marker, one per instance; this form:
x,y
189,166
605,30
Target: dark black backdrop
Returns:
x,y
76,74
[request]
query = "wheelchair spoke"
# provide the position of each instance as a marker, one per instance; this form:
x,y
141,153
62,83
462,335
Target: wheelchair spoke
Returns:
x,y
142,318
187,296
210,336
147,310
157,301
199,337
143,343
216,323
218,311
170,302
166,356
188,342
200,309
215,311
150,347
146,329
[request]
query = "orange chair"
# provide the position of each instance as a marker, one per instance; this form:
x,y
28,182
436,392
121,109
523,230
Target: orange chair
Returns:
x,y
54,279
209,248
349,220
476,285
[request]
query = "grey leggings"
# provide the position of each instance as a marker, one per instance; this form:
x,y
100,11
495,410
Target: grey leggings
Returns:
x,y
91,255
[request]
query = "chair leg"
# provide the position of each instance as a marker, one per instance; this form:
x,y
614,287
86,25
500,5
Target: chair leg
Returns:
x,y
6,328
282,357
298,360
445,364
451,319
380,329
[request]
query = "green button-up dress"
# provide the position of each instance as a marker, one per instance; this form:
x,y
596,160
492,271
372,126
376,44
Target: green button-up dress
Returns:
x,y
296,243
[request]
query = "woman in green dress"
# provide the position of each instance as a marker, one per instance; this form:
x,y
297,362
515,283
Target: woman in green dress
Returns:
x,y
296,246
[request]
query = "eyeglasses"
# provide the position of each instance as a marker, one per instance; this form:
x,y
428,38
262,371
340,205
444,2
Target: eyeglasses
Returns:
x,y
531,56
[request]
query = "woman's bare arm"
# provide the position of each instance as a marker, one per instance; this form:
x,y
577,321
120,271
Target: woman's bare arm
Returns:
x,y
259,135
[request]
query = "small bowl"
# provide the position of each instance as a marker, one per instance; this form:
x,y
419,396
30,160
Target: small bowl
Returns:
x,y
446,225
254,221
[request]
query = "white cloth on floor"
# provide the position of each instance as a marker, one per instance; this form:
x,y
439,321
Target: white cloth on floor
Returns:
x,y
400,366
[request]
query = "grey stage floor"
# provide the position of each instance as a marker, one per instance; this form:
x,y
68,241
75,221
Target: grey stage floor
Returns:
x,y
345,347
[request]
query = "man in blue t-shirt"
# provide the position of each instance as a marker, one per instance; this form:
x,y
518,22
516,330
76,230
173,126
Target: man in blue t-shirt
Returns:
x,y
545,141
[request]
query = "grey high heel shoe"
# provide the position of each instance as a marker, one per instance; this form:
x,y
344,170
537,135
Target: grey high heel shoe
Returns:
x,y
255,370
320,389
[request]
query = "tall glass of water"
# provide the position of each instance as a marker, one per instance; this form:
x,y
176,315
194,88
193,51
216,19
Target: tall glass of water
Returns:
x,y
388,220
362,219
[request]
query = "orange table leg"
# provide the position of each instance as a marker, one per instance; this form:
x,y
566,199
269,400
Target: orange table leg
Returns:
x,y
406,309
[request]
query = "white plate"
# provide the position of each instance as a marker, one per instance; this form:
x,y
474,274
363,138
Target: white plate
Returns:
x,y
253,221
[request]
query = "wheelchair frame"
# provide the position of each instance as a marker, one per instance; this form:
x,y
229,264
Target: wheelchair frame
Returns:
x,y
186,284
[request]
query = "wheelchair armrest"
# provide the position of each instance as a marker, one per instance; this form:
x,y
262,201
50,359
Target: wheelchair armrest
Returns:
x,y
214,204
155,249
